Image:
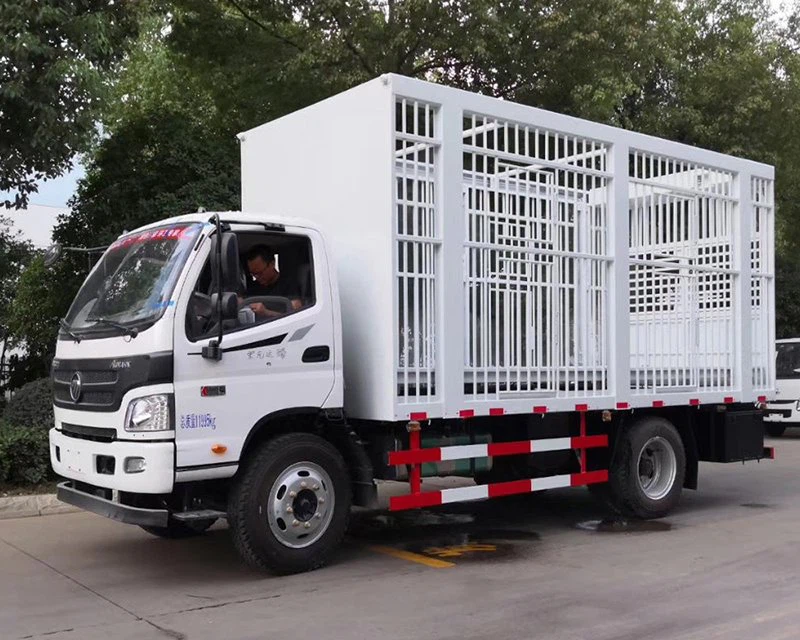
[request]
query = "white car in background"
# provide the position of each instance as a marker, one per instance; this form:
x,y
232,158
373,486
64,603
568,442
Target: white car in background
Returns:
x,y
784,409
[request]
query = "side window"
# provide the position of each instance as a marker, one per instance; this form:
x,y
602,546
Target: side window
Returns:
x,y
278,278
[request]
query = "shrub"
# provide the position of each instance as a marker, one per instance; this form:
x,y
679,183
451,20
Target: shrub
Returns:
x,y
24,455
32,406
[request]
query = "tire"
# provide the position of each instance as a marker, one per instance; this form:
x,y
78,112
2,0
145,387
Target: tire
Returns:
x,y
282,523
774,429
647,470
176,530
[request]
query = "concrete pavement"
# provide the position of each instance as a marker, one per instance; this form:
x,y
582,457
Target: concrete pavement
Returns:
x,y
725,565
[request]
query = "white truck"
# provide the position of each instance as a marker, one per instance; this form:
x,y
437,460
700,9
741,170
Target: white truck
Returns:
x,y
783,410
423,281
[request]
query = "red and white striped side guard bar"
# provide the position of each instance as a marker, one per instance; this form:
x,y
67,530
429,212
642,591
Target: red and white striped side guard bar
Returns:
x,y
520,447
417,456
494,490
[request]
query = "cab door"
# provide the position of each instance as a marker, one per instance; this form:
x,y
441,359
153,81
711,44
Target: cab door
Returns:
x,y
277,365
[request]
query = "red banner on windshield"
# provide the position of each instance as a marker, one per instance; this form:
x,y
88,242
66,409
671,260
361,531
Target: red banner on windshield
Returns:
x,y
153,235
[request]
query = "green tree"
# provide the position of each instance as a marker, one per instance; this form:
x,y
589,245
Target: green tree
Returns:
x,y
15,254
266,59
714,73
53,59
40,301
167,152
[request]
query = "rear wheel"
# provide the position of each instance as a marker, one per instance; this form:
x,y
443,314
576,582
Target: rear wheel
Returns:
x,y
289,509
176,529
647,470
774,429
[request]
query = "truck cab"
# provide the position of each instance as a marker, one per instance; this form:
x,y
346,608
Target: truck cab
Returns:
x,y
164,375
783,410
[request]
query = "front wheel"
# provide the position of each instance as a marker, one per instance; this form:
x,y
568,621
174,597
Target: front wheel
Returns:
x,y
289,509
647,470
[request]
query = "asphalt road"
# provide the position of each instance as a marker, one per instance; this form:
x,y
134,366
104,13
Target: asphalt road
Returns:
x,y
724,565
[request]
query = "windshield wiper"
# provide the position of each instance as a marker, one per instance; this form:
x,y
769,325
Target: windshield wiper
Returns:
x,y
128,331
66,327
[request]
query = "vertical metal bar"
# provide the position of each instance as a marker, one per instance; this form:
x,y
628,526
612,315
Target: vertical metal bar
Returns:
x,y
427,268
742,215
582,415
415,473
427,329
619,291
484,274
403,245
473,253
449,295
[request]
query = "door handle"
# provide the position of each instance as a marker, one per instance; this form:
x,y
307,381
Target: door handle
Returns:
x,y
320,353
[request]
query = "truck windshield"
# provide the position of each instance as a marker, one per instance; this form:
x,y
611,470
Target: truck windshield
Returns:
x,y
788,360
131,285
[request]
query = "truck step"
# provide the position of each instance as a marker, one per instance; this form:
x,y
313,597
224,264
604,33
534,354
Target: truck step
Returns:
x,y
200,514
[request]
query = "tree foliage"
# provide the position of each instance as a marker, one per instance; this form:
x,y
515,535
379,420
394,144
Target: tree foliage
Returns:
x,y
720,74
41,299
266,59
53,56
15,254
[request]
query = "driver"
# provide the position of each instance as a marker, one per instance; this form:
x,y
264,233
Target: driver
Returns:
x,y
266,280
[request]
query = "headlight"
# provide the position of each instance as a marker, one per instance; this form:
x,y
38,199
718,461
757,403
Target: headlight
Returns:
x,y
151,413
797,406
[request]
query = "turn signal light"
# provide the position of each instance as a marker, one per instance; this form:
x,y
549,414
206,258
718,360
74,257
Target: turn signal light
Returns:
x,y
219,448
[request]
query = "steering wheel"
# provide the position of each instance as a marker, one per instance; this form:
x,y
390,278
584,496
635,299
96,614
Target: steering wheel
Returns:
x,y
274,303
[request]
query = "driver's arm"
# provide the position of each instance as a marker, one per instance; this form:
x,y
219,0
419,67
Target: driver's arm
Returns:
x,y
262,312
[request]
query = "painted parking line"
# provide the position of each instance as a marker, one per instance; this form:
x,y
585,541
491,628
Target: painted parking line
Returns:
x,y
413,557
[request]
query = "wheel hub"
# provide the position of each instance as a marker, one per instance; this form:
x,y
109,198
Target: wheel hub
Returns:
x,y
305,505
658,468
646,467
300,505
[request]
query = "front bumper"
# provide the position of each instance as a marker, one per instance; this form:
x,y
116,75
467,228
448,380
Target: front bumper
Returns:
x,y
782,412
77,459
71,494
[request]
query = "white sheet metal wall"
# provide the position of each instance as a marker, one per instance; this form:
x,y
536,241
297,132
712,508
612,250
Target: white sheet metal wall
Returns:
x,y
594,265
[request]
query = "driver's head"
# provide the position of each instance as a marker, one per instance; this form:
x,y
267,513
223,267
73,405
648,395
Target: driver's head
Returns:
x,y
261,264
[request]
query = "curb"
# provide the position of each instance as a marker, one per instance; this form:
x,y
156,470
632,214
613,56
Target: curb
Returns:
x,y
45,504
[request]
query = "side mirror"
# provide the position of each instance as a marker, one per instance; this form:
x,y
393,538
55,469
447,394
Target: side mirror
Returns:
x,y
228,259
229,310
230,305
52,255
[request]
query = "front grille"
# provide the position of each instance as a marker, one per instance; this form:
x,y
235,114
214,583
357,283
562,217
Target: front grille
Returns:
x,y
99,398
105,381
96,434
88,377
98,386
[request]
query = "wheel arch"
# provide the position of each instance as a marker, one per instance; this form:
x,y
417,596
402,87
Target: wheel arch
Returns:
x,y
330,425
683,421
294,419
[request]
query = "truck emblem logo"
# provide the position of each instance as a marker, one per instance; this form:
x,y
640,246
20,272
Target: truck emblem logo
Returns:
x,y
120,364
75,387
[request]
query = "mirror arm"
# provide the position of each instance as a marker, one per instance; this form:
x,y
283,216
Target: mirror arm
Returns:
x,y
213,350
